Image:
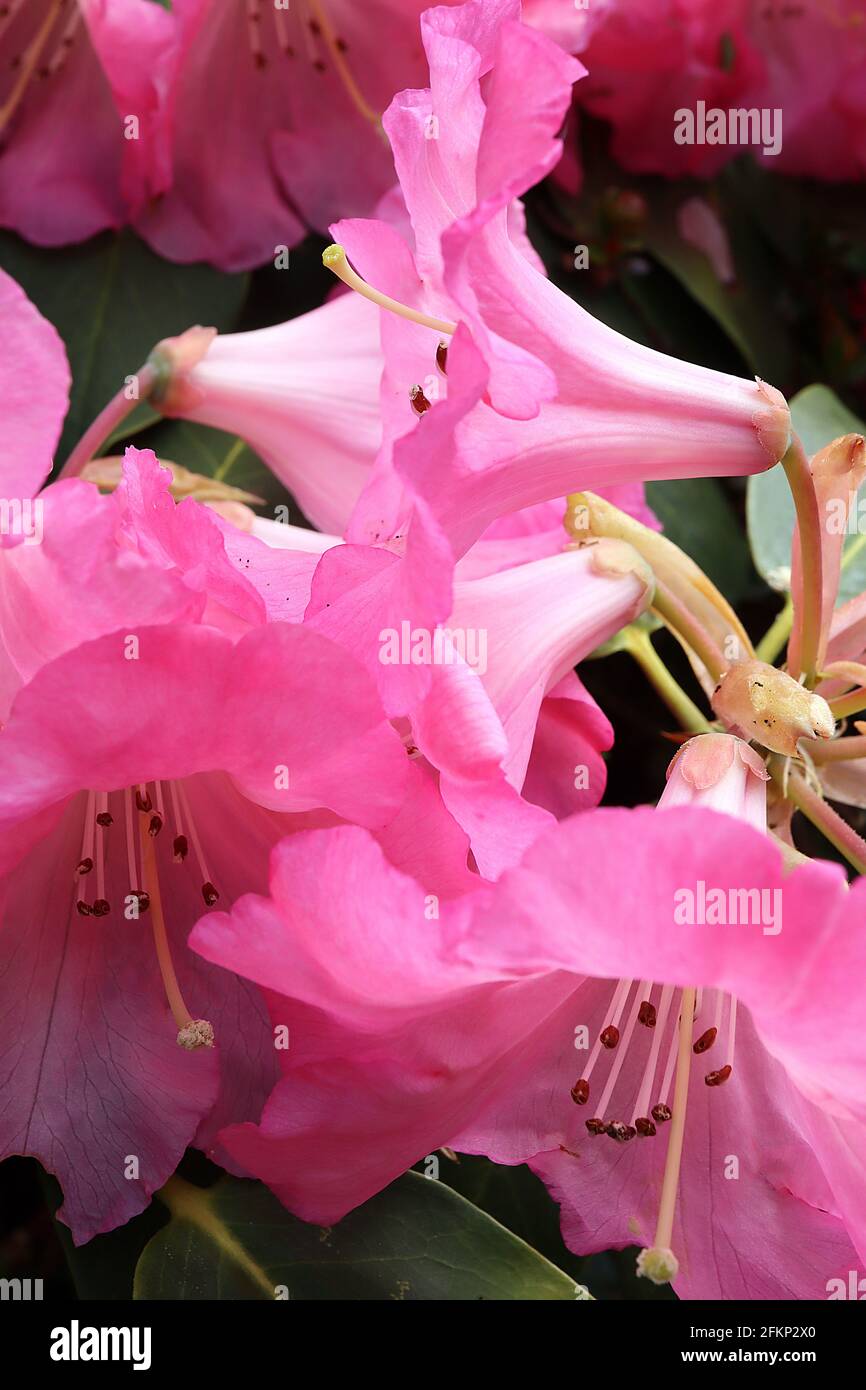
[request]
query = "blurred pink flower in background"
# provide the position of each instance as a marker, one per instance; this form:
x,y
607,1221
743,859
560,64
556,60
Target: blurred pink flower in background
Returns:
x,y
85,92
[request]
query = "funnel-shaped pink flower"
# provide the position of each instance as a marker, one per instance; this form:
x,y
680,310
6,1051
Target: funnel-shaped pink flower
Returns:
x,y
577,964
84,106
305,396
553,398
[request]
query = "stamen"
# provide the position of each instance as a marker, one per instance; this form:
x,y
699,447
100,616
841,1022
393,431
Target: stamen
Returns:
x,y
336,48
10,11
659,1263
87,848
641,1119
28,65
192,1033
283,33
616,1129
134,882
208,892
442,357
254,33
614,1011
142,799
67,38
101,906
418,400
334,258
705,1041
180,844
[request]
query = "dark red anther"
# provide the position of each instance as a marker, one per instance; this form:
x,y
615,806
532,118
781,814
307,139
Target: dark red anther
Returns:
x,y
105,819
101,907
705,1041
596,1126
143,899
609,1036
155,825
647,1014
84,909
661,1113
209,893
418,400
645,1126
143,803
342,46
717,1078
580,1092
180,848
84,866
442,356
620,1132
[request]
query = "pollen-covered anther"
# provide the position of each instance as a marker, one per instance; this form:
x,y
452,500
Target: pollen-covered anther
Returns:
x,y
101,907
418,400
658,1264
647,1014
718,1078
705,1041
620,1132
105,819
596,1126
84,909
580,1092
661,1114
609,1037
210,894
197,1033
155,825
644,1126
84,866
442,356
142,898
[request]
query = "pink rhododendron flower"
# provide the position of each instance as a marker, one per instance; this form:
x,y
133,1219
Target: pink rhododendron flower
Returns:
x,y
551,397
290,98
84,96
163,735
647,61
599,937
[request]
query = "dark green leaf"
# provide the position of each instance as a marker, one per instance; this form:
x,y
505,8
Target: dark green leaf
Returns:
x,y
416,1240
111,299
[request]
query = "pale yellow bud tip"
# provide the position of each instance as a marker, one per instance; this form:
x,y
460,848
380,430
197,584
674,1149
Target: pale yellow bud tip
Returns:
x,y
657,1264
197,1033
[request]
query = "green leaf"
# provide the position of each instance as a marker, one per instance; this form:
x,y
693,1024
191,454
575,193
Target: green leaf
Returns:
x,y
417,1240
111,300
697,516
819,417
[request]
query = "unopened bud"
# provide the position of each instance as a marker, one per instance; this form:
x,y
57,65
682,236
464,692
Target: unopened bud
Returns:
x,y
769,706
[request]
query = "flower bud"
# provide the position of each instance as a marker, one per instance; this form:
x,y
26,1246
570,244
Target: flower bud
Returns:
x,y
763,703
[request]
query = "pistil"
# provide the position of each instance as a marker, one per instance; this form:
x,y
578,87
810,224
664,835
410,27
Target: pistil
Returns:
x,y
334,258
